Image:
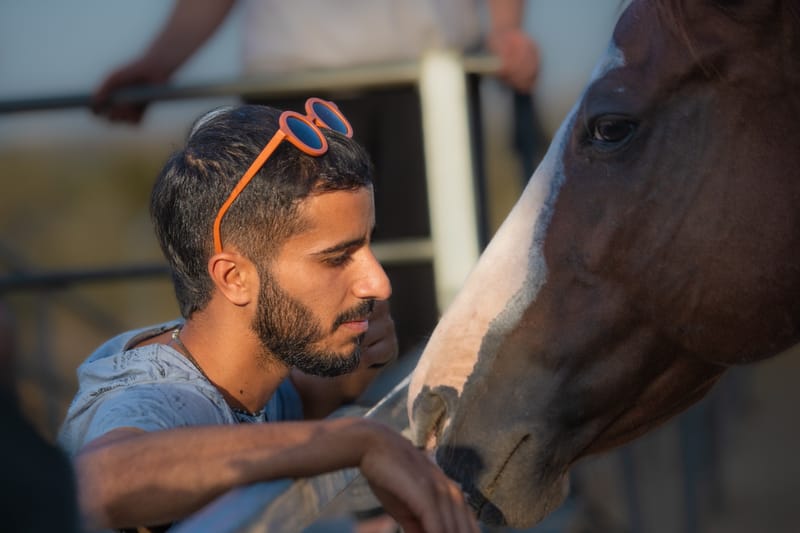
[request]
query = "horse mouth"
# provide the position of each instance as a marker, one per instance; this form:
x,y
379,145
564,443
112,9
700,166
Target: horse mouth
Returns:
x,y
486,512
498,500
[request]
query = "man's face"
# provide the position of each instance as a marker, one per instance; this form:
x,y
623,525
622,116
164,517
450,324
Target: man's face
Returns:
x,y
316,296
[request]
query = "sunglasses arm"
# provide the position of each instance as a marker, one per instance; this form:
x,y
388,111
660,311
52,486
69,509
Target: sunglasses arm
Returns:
x,y
248,176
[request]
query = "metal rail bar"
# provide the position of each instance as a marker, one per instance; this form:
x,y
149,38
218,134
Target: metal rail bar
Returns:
x,y
66,278
273,85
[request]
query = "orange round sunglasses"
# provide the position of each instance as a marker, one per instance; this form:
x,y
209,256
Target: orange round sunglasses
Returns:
x,y
300,130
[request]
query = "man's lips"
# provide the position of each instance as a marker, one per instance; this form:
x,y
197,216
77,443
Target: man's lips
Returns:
x,y
357,326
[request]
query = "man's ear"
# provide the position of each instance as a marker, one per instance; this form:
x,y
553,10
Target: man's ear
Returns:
x,y
235,277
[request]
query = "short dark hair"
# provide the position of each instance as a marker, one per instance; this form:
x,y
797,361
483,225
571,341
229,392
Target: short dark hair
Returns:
x,y
197,179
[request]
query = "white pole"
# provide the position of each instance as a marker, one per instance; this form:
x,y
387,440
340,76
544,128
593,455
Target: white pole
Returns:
x,y
448,162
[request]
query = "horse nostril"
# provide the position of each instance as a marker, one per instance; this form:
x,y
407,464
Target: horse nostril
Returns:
x,y
430,414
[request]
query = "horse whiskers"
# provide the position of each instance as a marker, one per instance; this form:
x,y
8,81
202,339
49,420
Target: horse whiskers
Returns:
x,y
491,486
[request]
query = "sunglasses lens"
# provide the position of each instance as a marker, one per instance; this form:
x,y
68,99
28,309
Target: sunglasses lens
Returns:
x,y
331,119
307,134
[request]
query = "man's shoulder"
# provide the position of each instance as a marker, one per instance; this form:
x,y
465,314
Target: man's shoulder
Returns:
x,y
120,363
124,341
150,387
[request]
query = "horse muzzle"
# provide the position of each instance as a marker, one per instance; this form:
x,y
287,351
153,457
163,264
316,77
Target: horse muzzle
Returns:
x,y
502,475
495,485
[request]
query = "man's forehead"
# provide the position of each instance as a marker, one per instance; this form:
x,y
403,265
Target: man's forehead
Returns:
x,y
345,213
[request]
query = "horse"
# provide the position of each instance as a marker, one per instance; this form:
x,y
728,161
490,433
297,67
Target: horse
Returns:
x,y
656,245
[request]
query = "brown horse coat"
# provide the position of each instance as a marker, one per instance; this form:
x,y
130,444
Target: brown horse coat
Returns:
x,y
657,243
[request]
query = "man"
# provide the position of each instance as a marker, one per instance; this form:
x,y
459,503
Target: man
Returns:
x,y
265,220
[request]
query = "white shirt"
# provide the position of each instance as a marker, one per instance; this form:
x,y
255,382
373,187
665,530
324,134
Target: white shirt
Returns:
x,y
289,35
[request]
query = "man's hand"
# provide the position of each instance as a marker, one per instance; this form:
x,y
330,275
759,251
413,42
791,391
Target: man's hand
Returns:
x,y
321,396
412,489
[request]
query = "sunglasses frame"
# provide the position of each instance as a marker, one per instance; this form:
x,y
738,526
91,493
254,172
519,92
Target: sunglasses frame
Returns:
x,y
313,121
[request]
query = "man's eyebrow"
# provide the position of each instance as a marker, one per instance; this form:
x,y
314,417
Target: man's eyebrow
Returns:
x,y
342,246
353,243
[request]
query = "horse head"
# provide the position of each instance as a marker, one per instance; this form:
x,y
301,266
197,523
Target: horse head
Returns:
x,y
656,244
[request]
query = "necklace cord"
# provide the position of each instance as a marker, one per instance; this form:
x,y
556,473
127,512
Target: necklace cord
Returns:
x,y
176,340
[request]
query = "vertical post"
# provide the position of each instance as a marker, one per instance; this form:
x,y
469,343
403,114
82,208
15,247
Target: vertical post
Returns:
x,y
449,169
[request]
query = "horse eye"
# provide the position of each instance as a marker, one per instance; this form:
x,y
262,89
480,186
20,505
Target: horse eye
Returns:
x,y
612,130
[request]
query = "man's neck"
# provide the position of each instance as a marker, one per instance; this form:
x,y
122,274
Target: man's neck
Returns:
x,y
232,358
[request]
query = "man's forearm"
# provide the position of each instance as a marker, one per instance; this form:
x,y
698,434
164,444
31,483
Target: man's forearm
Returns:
x,y
130,478
188,27
506,14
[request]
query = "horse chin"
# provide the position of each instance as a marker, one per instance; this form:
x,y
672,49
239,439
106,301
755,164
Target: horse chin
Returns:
x,y
507,508
514,491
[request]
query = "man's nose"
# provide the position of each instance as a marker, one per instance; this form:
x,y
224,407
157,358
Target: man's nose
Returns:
x,y
373,282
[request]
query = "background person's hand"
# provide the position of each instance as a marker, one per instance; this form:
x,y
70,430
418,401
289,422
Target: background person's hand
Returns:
x,y
519,58
139,72
321,396
378,349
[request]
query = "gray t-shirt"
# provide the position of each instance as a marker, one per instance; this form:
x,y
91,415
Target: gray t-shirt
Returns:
x,y
153,387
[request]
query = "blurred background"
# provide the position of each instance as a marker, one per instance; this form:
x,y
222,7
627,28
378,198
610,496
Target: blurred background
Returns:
x,y
75,202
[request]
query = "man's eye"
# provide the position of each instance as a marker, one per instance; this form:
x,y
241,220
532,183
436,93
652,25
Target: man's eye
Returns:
x,y
338,260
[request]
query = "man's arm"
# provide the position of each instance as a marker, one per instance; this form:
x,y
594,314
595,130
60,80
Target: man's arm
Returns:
x,y
129,477
189,25
518,53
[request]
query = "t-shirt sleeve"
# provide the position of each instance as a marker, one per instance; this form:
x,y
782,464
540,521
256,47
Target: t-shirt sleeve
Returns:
x,y
150,407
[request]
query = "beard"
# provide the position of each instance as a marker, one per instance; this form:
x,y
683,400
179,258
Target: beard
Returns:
x,y
288,330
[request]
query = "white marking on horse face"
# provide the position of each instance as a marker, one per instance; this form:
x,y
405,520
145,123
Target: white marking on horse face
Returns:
x,y
507,278
512,261
612,59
